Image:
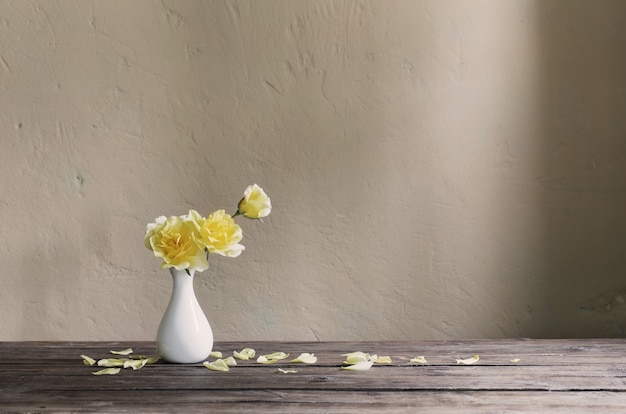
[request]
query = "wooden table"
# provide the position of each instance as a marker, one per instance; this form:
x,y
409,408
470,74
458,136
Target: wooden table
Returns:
x,y
573,376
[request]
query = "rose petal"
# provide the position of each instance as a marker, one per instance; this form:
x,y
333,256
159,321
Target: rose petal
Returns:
x,y
107,371
419,360
305,358
287,371
515,360
126,351
272,358
112,362
88,360
381,359
356,358
245,354
135,363
357,353
217,365
263,360
152,360
230,361
215,354
468,361
361,366
277,355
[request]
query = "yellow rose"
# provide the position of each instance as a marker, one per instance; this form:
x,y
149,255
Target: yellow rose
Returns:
x,y
174,240
255,203
218,233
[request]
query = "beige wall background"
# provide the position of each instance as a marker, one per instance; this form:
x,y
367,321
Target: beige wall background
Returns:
x,y
438,168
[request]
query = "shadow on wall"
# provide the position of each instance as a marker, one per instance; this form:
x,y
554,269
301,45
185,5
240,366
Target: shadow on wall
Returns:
x,y
582,184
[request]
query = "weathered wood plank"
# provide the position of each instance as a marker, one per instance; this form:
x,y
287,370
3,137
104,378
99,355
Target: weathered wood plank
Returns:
x,y
320,378
303,401
554,375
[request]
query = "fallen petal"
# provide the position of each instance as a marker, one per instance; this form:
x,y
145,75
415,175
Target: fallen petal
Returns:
x,y
107,371
112,362
515,360
468,361
127,351
243,357
272,358
357,353
152,360
230,361
87,360
361,366
135,363
215,354
419,360
277,355
305,358
245,354
287,371
356,358
263,360
217,365
381,359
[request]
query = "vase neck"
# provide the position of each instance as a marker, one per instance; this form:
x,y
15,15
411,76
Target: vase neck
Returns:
x,y
182,280
175,272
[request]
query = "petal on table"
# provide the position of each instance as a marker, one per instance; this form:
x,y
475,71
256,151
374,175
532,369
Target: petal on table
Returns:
x,y
305,358
107,371
468,361
230,361
419,360
112,362
135,363
88,360
126,351
381,359
217,365
245,354
361,366
287,371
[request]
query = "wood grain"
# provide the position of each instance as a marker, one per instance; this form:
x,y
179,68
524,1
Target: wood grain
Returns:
x,y
546,375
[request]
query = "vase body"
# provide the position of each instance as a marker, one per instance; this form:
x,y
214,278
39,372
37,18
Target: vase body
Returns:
x,y
184,334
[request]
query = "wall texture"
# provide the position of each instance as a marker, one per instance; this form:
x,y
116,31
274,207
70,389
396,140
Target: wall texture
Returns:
x,y
438,168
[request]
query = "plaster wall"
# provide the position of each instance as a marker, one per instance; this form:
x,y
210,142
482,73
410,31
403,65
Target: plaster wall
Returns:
x,y
438,168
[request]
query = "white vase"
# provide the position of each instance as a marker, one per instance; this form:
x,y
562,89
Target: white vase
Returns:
x,y
184,334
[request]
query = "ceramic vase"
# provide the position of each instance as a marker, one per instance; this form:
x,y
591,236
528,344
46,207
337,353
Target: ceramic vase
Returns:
x,y
184,334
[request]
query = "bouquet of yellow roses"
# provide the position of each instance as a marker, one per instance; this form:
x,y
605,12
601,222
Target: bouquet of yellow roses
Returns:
x,y
184,242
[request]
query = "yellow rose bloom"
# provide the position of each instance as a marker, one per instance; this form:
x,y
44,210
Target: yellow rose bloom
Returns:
x,y
218,233
255,203
174,240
